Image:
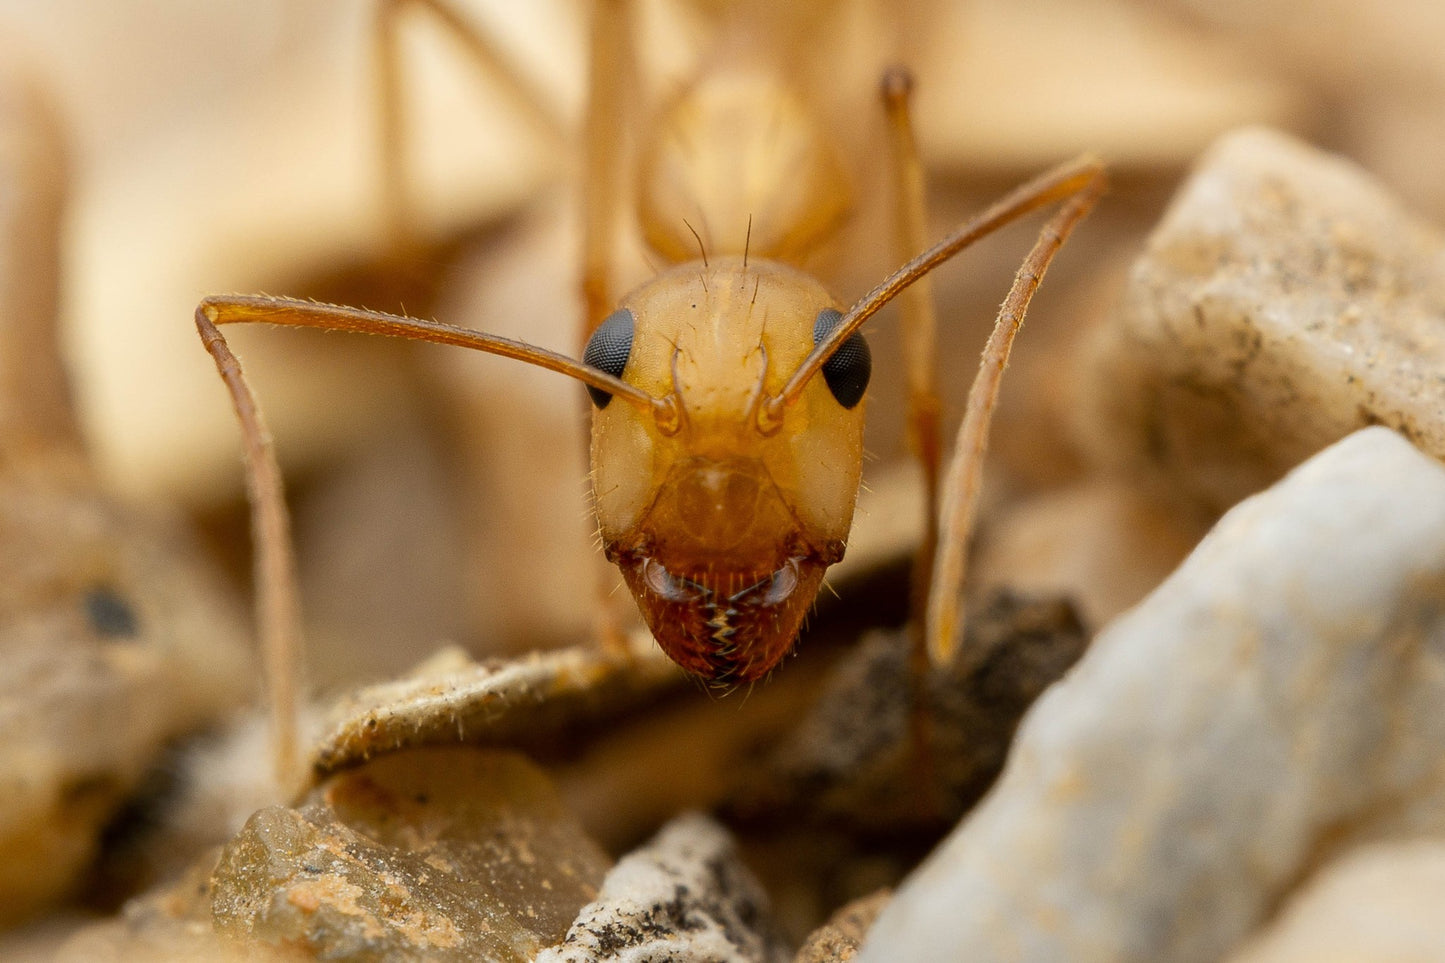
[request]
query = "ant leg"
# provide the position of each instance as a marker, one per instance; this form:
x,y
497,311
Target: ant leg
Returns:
x,y
398,207
1062,182
37,412
610,81
919,326
278,610
960,494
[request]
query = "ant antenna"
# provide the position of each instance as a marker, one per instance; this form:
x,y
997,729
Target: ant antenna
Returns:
x,y
1082,182
1083,176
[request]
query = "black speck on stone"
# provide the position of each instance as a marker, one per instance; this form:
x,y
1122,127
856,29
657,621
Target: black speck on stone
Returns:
x,y
109,614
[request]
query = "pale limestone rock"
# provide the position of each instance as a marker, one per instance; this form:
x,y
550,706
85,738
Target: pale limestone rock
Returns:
x,y
1377,904
1284,301
1282,694
840,938
684,897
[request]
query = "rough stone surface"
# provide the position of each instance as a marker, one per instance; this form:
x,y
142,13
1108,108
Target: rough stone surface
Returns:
x,y
684,898
852,762
1378,904
531,702
1284,301
1279,698
114,641
840,938
442,854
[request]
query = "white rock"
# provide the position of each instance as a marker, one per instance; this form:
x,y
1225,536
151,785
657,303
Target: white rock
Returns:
x,y
684,897
1285,300
1378,904
1280,695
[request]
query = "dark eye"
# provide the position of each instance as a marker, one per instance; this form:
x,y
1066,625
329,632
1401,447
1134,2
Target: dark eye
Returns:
x,y
608,349
848,369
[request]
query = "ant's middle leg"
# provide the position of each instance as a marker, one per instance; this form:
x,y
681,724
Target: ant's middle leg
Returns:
x,y
919,325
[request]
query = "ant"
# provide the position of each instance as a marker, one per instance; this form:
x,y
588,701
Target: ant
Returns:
x,y
728,392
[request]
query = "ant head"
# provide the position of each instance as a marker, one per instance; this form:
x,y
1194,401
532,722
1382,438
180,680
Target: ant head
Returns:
x,y
698,499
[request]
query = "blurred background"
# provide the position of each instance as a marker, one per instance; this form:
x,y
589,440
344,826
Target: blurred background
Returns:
x,y
231,146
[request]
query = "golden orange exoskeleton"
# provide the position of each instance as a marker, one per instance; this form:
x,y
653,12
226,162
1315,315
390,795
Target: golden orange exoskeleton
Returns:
x,y
721,521
721,516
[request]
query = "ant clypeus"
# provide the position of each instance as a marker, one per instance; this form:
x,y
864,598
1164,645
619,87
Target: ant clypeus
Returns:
x,y
724,469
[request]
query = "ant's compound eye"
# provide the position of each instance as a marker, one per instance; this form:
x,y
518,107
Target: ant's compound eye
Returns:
x,y
848,369
607,350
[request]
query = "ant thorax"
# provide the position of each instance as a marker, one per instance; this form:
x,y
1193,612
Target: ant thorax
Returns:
x,y
739,157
